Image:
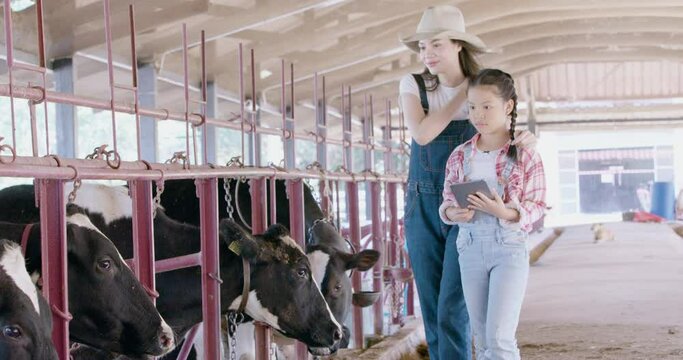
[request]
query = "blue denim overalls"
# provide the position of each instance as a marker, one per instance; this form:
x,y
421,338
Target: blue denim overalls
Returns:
x,y
432,244
494,266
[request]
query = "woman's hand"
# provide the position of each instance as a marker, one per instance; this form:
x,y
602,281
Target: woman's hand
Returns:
x,y
525,139
457,214
495,206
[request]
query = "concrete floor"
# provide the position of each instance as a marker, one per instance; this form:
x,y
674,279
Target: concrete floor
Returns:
x,y
620,299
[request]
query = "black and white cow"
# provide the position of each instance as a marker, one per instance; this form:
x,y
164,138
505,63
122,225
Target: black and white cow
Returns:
x,y
25,317
110,308
326,248
283,293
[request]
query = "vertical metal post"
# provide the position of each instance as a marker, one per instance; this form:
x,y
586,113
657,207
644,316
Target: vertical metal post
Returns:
x,y
210,130
262,332
143,234
391,210
353,213
375,206
147,99
295,190
211,307
186,92
321,144
54,266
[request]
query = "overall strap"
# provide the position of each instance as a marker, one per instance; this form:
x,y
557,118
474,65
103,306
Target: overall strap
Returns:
x,y
423,92
505,175
466,161
507,170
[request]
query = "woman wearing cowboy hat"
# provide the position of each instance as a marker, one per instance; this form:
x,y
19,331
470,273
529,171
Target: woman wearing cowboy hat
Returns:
x,y
435,112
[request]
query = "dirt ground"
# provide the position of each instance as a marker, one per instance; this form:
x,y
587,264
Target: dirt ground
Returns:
x,y
604,342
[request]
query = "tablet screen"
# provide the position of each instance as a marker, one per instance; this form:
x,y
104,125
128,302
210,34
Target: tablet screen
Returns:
x,y
462,190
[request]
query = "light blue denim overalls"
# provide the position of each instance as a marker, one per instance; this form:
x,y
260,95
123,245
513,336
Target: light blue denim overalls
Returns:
x,y
494,266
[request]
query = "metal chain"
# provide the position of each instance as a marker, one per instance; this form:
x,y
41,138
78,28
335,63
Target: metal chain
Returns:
x,y
111,157
234,161
228,198
178,157
326,188
232,330
72,194
233,345
157,198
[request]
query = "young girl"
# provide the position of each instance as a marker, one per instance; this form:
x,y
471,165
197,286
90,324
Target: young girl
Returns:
x,y
494,258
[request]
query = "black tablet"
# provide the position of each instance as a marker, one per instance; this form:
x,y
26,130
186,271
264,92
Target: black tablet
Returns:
x,y
462,190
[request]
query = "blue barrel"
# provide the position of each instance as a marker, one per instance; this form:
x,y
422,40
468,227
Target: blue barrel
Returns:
x,y
663,199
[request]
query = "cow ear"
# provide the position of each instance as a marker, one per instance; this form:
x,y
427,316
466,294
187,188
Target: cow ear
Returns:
x,y
363,260
238,239
276,231
74,234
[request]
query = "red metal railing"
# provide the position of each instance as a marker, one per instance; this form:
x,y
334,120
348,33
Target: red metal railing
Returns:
x,y
54,171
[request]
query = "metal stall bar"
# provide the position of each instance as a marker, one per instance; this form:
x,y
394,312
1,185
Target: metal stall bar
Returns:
x,y
207,191
353,212
262,332
12,65
54,266
392,213
143,235
141,193
321,144
376,214
110,67
403,147
295,190
37,94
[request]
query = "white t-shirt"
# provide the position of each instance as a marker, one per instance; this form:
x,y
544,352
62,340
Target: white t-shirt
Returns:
x,y
483,167
437,98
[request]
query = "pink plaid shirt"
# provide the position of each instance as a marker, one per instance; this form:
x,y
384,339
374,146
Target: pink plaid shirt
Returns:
x,y
524,189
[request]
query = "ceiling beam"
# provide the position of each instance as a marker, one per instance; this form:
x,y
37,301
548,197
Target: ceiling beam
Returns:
x,y
665,40
86,38
525,65
231,25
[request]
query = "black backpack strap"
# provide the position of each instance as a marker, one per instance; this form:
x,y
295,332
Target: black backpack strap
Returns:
x,y
423,92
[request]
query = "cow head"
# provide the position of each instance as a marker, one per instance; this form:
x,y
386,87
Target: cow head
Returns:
x,y
25,318
110,308
331,265
283,293
331,271
112,311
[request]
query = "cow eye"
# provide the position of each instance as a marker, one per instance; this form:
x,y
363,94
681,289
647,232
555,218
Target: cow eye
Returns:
x,y
104,264
337,287
303,273
12,331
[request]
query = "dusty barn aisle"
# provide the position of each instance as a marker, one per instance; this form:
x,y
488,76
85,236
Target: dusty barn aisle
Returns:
x,y
617,299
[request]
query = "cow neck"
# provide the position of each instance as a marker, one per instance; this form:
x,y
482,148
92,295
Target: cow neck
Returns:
x,y
245,287
24,238
246,276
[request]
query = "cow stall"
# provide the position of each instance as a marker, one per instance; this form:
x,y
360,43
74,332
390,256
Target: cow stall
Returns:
x,y
58,177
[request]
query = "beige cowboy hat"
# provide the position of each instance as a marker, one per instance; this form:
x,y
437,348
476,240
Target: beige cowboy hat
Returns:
x,y
442,20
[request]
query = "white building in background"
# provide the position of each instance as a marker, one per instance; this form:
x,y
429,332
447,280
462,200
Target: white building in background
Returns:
x,y
611,162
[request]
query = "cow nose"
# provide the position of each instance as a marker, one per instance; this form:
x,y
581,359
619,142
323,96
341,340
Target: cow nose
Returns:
x,y
166,339
337,336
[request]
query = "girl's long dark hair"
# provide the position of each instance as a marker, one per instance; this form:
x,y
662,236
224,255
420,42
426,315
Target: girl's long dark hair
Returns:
x,y
468,64
506,90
